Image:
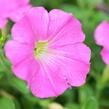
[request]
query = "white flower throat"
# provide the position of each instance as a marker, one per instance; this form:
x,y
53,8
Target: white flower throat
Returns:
x,y
40,48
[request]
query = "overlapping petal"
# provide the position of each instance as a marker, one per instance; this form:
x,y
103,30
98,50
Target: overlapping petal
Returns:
x,y
39,20
23,32
13,9
102,34
17,52
105,55
17,14
102,38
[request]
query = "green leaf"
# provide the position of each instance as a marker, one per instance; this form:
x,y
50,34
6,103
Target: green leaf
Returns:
x,y
72,106
74,10
91,103
7,103
85,92
18,84
106,74
105,77
1,74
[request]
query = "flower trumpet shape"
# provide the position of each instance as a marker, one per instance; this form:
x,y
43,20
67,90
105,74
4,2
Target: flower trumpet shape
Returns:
x,y
102,38
13,9
47,51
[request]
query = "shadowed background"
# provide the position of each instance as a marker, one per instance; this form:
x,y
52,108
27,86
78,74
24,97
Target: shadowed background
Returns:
x,y
14,94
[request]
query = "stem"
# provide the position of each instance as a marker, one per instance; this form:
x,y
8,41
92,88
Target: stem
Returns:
x,y
5,94
3,62
4,33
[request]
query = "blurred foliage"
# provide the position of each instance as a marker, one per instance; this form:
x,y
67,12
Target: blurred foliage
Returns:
x,y
14,93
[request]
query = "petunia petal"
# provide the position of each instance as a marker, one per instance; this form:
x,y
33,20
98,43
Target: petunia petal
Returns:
x,y
39,20
57,19
25,68
74,70
17,52
64,28
24,2
78,51
19,13
5,8
57,74
3,22
105,55
64,61
23,33
15,10
48,81
102,34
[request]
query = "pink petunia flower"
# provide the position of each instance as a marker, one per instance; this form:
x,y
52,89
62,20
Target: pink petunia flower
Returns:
x,y
13,9
102,38
47,51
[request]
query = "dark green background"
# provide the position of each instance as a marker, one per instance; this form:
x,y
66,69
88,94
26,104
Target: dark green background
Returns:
x,y
14,93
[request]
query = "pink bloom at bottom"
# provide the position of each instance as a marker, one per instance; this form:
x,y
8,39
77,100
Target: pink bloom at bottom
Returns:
x,y
102,38
47,51
13,9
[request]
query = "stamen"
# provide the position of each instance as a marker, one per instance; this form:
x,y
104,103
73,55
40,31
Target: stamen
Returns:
x,y
40,48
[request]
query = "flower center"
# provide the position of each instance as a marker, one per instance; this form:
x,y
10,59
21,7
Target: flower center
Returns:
x,y
40,48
